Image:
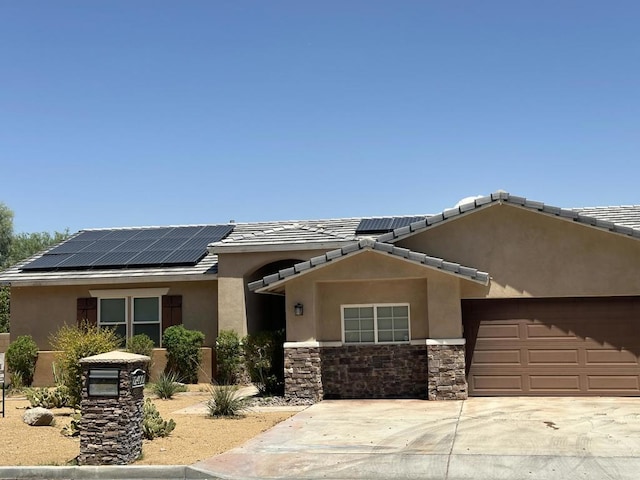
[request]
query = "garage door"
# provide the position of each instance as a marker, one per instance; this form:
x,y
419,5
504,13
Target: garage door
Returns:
x,y
553,346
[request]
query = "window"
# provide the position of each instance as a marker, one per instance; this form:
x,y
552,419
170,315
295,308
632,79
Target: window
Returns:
x,y
381,323
131,312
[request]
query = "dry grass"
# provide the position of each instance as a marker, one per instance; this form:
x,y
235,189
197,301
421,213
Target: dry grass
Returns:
x,y
195,438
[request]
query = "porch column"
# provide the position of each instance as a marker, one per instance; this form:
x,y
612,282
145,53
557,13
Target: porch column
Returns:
x,y
303,370
446,366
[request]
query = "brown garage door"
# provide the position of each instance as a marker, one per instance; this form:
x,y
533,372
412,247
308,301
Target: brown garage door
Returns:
x,y
587,346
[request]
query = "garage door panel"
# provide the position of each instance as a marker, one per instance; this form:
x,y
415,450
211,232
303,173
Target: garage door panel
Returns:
x,y
553,357
610,357
499,332
498,383
586,346
607,383
498,357
554,383
548,332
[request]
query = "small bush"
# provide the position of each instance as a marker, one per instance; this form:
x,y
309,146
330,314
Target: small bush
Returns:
x,y
264,357
225,401
75,343
73,429
167,385
140,344
228,357
49,398
153,425
21,358
183,352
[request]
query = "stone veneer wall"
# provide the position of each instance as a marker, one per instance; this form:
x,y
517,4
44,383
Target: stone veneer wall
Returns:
x,y
447,379
302,373
111,428
374,371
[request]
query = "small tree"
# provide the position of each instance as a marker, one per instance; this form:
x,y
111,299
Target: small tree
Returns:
x,y
75,343
183,352
228,357
21,359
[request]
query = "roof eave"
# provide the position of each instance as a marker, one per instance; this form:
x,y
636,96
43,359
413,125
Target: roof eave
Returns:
x,y
356,248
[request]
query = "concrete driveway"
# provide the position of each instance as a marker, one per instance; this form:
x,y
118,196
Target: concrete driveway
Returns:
x,y
479,438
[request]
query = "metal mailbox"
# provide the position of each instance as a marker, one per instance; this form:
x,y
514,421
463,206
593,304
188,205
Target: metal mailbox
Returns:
x,y
103,382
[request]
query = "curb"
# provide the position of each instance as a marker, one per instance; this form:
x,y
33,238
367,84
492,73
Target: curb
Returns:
x,y
113,472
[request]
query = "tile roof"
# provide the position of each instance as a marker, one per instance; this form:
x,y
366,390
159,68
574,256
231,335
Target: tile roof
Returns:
x,y
598,217
626,215
370,244
290,232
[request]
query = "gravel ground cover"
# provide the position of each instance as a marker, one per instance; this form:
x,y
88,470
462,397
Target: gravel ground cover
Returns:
x,y
195,438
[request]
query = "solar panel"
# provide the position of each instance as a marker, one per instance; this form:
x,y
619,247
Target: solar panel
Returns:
x,y
384,224
71,246
134,247
47,262
114,259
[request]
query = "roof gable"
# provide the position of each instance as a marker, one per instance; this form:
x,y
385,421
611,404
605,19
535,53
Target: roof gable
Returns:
x,y
501,197
367,244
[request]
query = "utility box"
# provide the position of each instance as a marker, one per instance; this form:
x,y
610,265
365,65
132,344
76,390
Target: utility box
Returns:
x,y
112,408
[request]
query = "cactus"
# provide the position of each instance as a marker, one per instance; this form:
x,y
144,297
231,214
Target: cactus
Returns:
x,y
152,424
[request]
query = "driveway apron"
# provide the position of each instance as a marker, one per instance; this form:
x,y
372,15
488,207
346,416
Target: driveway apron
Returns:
x,y
480,438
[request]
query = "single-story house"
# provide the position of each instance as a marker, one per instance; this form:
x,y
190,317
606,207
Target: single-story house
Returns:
x,y
499,295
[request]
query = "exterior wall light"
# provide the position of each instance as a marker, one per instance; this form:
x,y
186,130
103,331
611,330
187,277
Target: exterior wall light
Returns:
x,y
298,309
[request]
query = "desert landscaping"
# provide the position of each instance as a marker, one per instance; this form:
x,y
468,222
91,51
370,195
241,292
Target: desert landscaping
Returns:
x,y
195,437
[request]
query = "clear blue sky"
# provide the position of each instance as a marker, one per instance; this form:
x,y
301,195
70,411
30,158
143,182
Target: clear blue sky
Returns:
x,y
120,113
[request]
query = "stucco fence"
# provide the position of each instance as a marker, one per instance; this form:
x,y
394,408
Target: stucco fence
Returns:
x,y
43,376
4,342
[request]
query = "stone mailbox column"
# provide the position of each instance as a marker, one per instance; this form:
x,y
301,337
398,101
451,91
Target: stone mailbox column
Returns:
x,y
112,400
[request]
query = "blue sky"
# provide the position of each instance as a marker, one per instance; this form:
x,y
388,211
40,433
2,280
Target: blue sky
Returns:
x,y
119,113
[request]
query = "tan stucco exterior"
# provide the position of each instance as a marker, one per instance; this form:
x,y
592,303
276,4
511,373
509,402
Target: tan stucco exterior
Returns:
x,y
40,311
372,277
234,271
529,254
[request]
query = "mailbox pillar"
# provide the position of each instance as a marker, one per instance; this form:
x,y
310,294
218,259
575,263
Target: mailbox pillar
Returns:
x,y
111,407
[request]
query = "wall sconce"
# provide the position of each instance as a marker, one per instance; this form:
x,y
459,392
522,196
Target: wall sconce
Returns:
x,y
298,309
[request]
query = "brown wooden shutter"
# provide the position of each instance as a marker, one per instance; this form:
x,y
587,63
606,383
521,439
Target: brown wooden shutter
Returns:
x,y
87,309
171,311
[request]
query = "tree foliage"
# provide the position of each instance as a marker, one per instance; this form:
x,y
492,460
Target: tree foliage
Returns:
x,y
6,234
15,248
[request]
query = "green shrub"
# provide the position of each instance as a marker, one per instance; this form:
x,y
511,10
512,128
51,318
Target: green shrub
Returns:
x,y
225,401
183,352
21,358
153,425
49,398
167,385
140,344
228,357
75,343
264,357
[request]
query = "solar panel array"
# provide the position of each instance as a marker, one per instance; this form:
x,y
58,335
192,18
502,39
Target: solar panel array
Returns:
x,y
384,224
135,247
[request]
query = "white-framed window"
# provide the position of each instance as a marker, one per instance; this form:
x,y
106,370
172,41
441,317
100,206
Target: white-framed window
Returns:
x,y
376,323
132,312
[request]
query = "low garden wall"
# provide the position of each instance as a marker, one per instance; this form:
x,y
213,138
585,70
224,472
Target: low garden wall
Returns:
x,y
4,342
43,376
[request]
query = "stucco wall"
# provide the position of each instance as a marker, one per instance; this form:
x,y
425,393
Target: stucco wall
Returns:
x,y
531,254
4,342
371,277
234,271
40,311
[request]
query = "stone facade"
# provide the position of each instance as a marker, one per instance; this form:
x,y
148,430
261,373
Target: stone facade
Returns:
x,y
302,373
374,371
447,379
111,427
